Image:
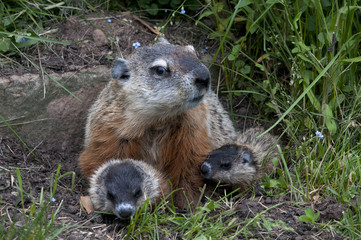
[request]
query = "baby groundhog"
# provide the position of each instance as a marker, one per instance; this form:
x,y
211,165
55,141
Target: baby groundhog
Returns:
x,y
122,186
158,108
243,162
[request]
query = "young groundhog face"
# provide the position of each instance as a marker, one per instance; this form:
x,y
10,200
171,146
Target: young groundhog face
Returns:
x,y
123,189
162,80
230,164
121,186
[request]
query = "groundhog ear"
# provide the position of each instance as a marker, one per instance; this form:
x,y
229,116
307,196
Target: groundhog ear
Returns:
x,y
120,70
191,49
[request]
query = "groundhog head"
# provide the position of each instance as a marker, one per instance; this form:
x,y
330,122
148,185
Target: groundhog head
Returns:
x,y
162,80
121,188
230,164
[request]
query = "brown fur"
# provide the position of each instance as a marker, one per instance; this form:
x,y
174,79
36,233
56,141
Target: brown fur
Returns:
x,y
130,120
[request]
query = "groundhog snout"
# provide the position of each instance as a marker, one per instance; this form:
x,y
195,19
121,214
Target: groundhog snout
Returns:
x,y
125,211
202,83
202,78
206,170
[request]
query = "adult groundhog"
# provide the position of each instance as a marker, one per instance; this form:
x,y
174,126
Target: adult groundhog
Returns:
x,y
122,186
237,165
158,108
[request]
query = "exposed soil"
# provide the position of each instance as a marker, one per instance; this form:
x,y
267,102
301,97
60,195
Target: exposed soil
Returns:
x,y
64,148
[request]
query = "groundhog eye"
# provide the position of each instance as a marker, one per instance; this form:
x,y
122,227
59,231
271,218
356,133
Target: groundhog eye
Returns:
x,y
110,196
138,193
226,166
161,71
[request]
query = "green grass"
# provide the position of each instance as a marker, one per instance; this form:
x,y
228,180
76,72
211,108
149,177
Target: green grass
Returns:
x,y
216,219
300,61
35,220
288,61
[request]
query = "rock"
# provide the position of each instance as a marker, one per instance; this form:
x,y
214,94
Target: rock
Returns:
x,y
100,38
41,110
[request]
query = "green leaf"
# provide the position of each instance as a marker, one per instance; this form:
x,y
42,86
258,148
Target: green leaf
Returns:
x,y
275,161
210,206
246,69
303,46
316,216
267,224
35,38
311,96
4,44
304,218
231,57
309,212
245,3
205,14
273,183
330,122
356,59
295,20
201,237
152,9
7,20
217,7
310,216
214,35
346,9
304,58
261,67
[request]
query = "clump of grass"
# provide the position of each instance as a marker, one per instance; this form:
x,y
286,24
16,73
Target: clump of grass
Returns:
x,y
36,221
211,220
214,219
350,223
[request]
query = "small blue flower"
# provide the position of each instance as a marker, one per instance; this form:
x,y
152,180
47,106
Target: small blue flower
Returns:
x,y
319,135
53,199
202,52
22,40
165,10
136,45
205,41
206,48
182,11
177,23
109,20
289,100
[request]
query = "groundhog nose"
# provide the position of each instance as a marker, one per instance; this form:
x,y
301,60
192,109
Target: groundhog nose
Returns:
x,y
202,83
125,211
202,78
206,170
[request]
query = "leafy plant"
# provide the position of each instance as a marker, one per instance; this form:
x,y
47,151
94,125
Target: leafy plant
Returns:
x,y
309,216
